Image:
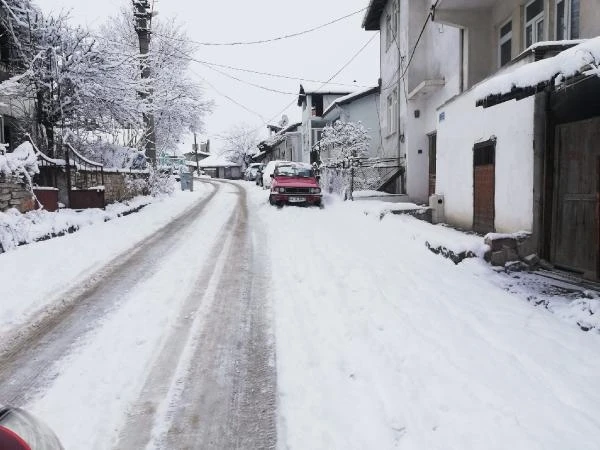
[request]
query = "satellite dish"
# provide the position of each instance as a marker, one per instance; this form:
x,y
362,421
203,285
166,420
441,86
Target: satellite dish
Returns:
x,y
284,121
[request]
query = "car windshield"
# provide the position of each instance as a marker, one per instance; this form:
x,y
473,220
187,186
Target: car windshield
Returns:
x,y
294,171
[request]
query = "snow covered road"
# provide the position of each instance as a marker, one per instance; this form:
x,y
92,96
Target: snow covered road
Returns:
x,y
218,321
118,366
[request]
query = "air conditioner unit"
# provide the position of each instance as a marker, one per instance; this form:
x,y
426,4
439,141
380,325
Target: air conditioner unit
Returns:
x,y
437,205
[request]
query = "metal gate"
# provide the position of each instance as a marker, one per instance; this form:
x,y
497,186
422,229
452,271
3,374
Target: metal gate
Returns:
x,y
575,231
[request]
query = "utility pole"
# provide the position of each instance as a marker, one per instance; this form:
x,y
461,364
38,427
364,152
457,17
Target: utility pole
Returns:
x,y
196,151
142,13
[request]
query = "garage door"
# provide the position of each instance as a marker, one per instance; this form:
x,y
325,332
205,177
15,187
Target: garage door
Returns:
x,y
575,226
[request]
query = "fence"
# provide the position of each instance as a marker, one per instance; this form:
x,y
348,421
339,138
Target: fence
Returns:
x,y
359,174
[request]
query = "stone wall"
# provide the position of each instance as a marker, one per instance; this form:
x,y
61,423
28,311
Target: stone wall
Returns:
x,y
115,185
15,194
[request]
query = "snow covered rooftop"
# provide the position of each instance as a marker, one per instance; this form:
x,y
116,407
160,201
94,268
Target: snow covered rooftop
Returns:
x,y
217,161
315,88
582,59
351,97
278,137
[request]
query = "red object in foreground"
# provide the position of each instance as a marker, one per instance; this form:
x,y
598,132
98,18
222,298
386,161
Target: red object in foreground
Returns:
x,y
19,430
295,183
11,441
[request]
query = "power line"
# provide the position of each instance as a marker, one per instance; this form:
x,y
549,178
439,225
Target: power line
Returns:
x,y
264,41
322,85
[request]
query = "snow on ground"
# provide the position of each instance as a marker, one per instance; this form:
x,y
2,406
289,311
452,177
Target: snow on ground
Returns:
x,y
382,344
35,275
17,229
106,373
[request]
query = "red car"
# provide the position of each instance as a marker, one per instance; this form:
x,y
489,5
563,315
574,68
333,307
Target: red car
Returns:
x,y
295,183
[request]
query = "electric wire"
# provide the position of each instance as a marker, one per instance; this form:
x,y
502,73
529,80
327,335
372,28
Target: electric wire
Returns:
x,y
264,41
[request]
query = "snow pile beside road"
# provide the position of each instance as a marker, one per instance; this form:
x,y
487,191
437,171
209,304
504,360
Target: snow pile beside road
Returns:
x,y
33,276
437,236
18,229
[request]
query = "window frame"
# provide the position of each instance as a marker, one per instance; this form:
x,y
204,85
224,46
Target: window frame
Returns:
x,y
568,28
534,22
503,40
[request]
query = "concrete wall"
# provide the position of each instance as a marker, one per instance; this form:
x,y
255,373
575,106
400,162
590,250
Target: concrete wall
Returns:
x,y
15,194
512,124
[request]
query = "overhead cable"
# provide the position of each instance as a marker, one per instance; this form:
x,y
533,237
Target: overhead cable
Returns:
x,y
265,41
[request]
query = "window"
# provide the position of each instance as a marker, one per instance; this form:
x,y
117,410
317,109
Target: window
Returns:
x,y
392,111
567,19
391,26
534,22
505,43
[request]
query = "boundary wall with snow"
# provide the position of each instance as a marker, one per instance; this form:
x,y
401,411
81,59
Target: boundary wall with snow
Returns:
x,y
15,194
511,124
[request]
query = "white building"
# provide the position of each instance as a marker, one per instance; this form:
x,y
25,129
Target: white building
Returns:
x,y
504,160
314,101
411,93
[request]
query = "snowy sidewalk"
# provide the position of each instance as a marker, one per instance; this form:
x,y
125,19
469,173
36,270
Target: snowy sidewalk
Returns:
x,y
382,344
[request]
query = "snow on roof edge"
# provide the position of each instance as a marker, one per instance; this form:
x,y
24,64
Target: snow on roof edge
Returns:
x,y
566,64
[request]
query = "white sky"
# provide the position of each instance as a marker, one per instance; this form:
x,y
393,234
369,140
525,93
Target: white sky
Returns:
x,y
317,55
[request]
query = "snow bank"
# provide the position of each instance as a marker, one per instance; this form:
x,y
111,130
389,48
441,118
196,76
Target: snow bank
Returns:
x,y
18,229
381,344
583,58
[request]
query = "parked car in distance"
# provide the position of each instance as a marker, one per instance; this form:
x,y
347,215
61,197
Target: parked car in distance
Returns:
x,y
295,183
268,171
252,171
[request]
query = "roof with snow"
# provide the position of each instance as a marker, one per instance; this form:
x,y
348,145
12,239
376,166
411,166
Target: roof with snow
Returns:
x,y
351,98
217,161
308,89
373,15
523,81
279,136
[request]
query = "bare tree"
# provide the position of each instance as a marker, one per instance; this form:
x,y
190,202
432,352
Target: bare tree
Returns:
x,y
240,144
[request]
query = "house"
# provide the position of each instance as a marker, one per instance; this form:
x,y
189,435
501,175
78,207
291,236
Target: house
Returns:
x,y
284,143
314,101
361,106
530,159
511,108
413,85
218,166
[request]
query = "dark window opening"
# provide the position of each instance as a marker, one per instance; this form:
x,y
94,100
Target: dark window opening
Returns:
x,y
4,46
506,29
318,104
505,53
574,19
534,9
484,153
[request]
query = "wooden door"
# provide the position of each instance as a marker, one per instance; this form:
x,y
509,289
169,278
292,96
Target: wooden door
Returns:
x,y
575,231
484,187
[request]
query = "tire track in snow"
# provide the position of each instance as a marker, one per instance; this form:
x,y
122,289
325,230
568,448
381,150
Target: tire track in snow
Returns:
x,y
222,394
28,356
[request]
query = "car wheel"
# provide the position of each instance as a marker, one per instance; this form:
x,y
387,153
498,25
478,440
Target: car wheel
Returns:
x,y
271,202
